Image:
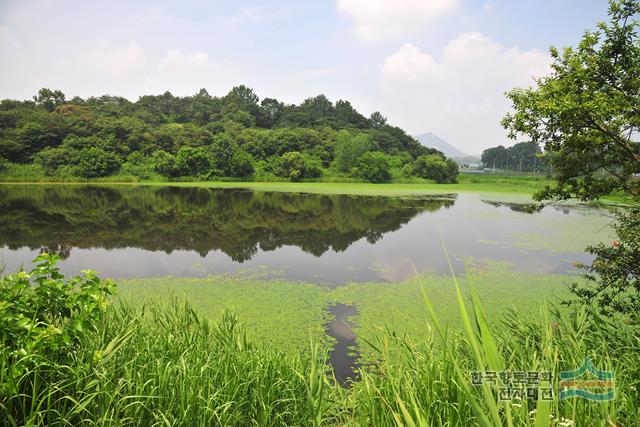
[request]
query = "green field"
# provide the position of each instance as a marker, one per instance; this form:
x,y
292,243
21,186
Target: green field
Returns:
x,y
509,184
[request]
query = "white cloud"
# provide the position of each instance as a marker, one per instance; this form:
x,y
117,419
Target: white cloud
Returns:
x,y
376,20
409,62
176,58
460,95
104,55
488,7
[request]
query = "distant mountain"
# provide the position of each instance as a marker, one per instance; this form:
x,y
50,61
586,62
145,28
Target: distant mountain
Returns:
x,y
430,140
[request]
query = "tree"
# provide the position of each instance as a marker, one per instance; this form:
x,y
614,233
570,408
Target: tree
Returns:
x,y
587,116
520,157
95,162
165,164
586,113
194,161
373,166
296,166
241,165
435,167
495,157
377,120
49,99
349,148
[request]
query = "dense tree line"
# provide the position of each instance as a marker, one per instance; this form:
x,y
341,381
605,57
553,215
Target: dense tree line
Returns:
x,y
207,137
520,157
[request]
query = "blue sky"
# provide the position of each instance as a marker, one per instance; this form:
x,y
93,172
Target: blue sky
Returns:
x,y
436,66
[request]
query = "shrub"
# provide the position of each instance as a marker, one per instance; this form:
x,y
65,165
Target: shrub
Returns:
x,y
373,166
436,168
194,161
139,165
44,321
241,164
165,163
95,162
297,166
613,278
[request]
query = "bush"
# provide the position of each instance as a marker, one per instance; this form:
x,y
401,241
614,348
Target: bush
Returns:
x,y
348,149
165,164
194,161
613,278
44,322
96,162
241,165
229,159
297,166
373,166
436,168
78,158
51,159
139,166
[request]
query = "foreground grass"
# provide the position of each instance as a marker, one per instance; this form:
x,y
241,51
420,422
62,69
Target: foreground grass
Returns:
x,y
162,364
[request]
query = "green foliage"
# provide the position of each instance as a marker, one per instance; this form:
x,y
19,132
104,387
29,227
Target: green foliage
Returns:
x,y
373,166
194,161
49,99
45,321
613,278
69,359
297,166
165,164
140,166
435,167
231,133
348,148
521,157
79,159
586,114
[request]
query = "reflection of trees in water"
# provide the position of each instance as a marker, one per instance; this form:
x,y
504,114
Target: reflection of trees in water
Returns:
x,y
516,207
237,222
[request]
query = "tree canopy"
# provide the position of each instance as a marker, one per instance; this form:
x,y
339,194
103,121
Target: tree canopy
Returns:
x,y
586,113
200,136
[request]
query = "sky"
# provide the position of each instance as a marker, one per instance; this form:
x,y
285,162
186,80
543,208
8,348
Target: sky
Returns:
x,y
439,66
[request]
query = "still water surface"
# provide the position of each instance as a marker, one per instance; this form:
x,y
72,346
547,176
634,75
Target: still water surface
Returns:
x,y
140,231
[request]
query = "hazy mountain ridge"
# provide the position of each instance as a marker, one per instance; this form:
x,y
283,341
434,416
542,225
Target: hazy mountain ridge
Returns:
x,y
434,141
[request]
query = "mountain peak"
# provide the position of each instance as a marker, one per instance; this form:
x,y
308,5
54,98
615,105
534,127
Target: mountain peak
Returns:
x,y
429,139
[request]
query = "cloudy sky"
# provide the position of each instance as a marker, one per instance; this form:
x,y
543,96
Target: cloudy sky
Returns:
x,y
438,66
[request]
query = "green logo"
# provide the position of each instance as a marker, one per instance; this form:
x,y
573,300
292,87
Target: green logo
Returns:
x,y
597,384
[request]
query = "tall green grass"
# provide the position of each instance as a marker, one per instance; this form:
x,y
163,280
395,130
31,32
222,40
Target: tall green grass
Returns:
x,y
162,364
428,383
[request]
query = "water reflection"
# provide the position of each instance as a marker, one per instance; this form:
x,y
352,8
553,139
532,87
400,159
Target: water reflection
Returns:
x,y
236,222
139,231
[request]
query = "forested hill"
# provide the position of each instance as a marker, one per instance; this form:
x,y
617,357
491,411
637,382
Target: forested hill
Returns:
x,y
204,136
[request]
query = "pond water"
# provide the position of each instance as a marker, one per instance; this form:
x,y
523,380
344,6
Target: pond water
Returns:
x,y
144,231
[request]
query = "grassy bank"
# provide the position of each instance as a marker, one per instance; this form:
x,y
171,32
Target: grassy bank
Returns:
x,y
164,364
511,184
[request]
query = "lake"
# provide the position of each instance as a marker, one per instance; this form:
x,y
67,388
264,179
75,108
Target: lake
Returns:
x,y
145,231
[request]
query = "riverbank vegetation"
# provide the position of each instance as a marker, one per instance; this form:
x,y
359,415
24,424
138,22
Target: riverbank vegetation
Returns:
x,y
70,357
204,137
